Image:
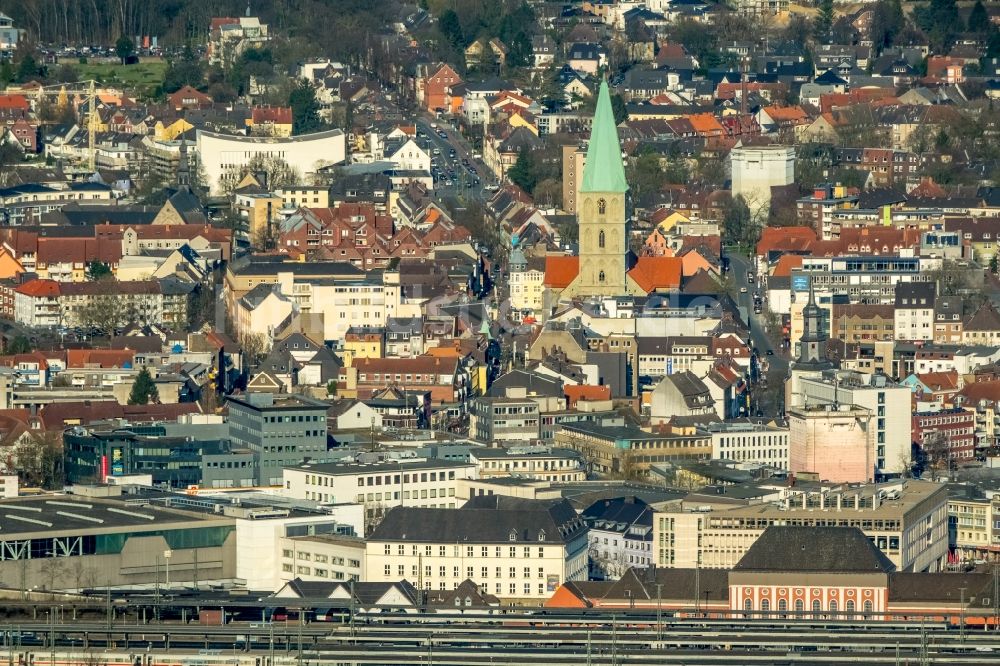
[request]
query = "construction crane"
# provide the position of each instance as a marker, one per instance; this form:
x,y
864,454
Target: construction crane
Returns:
x,y
88,89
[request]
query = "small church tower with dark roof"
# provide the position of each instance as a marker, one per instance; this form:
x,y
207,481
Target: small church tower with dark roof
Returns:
x,y
812,360
183,167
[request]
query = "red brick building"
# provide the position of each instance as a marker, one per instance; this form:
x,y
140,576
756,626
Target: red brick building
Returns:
x,y
359,234
438,88
947,435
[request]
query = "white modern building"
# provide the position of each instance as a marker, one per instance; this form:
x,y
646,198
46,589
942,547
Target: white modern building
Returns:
x,y
222,156
747,442
756,169
263,530
419,483
543,463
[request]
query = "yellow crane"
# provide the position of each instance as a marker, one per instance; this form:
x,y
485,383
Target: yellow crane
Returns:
x,y
87,89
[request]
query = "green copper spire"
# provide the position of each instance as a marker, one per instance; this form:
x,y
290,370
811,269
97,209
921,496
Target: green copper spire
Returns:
x,y
603,171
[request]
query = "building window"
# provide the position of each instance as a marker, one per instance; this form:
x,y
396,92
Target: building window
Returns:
x,y
600,276
798,605
602,207
765,605
816,606
600,239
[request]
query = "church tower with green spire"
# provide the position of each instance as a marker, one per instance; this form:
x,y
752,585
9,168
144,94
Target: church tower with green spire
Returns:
x,y
603,234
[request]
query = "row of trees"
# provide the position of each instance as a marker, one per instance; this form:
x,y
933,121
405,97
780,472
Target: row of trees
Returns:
x,y
461,22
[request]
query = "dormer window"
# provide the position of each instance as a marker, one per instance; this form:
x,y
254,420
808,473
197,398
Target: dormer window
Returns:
x,y
513,535
541,535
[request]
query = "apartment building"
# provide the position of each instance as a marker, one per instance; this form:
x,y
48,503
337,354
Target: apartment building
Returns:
x,y
519,550
870,279
621,536
499,420
543,463
386,484
280,431
970,524
907,520
947,436
914,311
817,210
749,442
322,557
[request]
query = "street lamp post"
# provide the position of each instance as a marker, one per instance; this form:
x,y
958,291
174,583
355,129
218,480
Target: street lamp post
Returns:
x,y
167,554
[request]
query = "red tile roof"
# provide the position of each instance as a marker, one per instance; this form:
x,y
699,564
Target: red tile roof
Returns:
x,y
785,264
39,288
279,115
653,273
560,271
576,392
976,391
19,102
12,360
99,358
55,415
784,238
940,381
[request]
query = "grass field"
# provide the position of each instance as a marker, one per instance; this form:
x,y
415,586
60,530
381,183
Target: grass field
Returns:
x,y
144,76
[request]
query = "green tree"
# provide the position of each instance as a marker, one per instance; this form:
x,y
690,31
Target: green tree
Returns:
x,y
98,270
887,23
979,20
523,173
305,109
451,28
6,73
941,140
824,21
143,389
940,21
19,345
994,264
27,69
124,47
618,108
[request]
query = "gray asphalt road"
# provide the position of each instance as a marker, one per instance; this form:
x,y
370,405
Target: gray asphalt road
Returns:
x,y
454,141
777,362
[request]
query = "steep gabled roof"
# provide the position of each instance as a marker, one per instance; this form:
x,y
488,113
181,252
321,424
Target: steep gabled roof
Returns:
x,y
560,271
653,273
986,318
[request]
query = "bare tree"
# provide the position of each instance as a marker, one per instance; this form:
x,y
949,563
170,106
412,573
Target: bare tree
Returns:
x,y
374,514
274,171
255,346
609,562
936,452
39,460
51,571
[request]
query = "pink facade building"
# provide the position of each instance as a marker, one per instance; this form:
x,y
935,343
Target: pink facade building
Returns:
x,y
831,442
